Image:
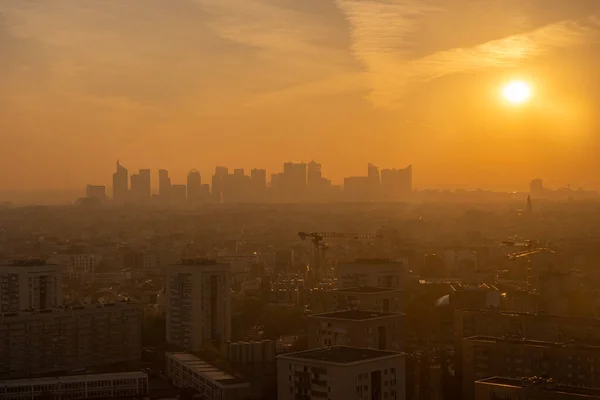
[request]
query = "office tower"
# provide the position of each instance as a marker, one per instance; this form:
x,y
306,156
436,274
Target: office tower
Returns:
x,y
218,182
372,272
186,370
95,192
513,357
259,183
195,193
396,184
164,185
120,184
239,172
341,373
364,298
534,388
357,188
198,298
179,194
140,186
120,385
70,338
536,187
373,175
314,174
30,284
293,180
368,329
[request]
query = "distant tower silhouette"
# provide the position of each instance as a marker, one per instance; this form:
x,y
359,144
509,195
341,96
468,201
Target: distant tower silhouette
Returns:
x,y
529,208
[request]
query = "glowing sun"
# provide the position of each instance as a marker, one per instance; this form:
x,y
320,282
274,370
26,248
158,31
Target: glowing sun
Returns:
x,y
517,92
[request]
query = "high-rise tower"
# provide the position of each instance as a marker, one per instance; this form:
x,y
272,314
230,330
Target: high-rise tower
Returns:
x,y
120,183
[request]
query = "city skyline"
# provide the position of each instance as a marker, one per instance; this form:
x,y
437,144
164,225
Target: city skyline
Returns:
x,y
300,80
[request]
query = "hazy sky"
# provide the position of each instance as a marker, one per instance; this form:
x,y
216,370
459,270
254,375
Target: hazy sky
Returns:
x,y
182,84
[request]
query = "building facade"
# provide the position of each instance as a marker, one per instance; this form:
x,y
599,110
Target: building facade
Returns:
x,y
365,298
76,387
372,272
366,329
30,284
341,373
188,371
536,388
198,303
569,363
69,338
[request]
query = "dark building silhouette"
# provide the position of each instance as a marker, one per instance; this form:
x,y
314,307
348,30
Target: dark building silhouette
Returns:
x,y
179,194
396,184
218,181
120,183
140,186
164,185
95,192
194,187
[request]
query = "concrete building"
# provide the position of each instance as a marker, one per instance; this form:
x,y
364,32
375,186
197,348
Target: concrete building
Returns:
x,y
568,363
530,389
550,328
78,267
69,338
365,298
188,371
198,303
396,183
30,284
195,193
121,184
75,387
372,272
341,373
164,185
368,329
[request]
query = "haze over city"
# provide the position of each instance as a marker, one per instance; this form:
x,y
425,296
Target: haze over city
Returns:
x,y
253,83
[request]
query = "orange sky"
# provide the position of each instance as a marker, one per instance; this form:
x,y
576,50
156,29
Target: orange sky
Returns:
x,y
253,83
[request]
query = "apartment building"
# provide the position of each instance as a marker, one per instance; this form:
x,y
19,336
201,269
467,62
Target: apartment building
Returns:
x,y
198,303
34,343
77,387
535,388
373,272
359,298
569,363
341,373
188,371
30,284
368,329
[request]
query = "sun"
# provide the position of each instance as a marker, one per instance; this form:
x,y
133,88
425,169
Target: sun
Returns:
x,y
517,92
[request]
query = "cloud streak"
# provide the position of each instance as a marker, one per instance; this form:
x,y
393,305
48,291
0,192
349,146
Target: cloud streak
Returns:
x,y
383,39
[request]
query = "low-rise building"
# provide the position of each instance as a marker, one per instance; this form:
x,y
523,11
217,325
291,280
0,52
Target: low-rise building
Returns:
x,y
535,388
76,387
368,329
341,373
188,371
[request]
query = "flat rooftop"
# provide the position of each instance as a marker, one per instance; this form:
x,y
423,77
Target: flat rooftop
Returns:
x,y
538,343
365,289
206,370
355,315
541,385
73,378
26,262
341,354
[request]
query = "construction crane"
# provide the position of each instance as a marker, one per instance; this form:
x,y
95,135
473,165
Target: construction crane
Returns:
x,y
317,238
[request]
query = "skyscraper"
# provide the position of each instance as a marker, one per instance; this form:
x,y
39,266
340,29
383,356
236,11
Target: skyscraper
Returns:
x,y
396,183
314,174
164,185
120,183
140,186
218,182
259,178
199,310
373,174
194,187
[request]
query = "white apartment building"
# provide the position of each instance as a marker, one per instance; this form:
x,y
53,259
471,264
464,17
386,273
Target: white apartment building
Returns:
x,y
188,371
198,303
30,284
77,387
341,373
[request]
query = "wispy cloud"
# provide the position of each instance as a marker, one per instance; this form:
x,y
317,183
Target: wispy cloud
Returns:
x,y
384,32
